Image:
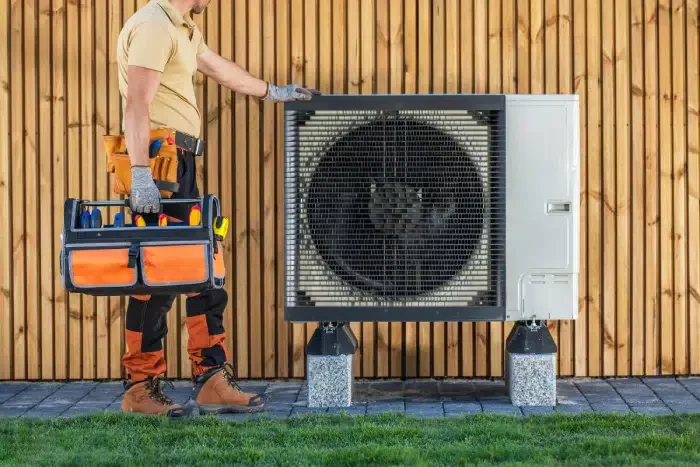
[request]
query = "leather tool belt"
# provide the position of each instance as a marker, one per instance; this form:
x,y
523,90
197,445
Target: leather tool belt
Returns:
x,y
164,163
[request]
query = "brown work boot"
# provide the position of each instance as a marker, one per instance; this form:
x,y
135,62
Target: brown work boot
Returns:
x,y
216,392
147,397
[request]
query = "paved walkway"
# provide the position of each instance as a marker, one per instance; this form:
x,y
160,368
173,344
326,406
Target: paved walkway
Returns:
x,y
421,398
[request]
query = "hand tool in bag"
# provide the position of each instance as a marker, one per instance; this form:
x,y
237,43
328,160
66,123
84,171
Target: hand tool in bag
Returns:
x,y
195,215
119,220
96,219
221,227
85,219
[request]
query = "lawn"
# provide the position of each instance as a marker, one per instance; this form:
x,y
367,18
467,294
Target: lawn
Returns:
x,y
118,439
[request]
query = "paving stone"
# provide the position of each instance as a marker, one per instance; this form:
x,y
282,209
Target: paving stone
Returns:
x,y
385,407
44,412
79,411
308,410
610,408
461,408
235,417
423,406
652,410
501,410
33,395
387,386
12,411
573,409
422,386
257,388
8,390
685,408
115,407
537,410
352,411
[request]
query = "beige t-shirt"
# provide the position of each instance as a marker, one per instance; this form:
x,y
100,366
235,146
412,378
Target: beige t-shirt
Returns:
x,y
158,37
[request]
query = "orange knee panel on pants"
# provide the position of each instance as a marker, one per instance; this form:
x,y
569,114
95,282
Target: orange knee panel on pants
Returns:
x,y
141,365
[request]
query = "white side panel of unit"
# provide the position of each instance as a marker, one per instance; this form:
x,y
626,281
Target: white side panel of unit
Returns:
x,y
542,207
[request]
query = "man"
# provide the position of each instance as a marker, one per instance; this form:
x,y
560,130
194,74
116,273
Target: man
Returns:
x,y
159,51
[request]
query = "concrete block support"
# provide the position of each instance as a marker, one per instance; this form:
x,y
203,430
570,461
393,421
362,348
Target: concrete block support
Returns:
x,y
531,365
330,355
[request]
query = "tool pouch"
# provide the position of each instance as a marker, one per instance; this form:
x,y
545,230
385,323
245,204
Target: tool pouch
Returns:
x,y
149,260
163,167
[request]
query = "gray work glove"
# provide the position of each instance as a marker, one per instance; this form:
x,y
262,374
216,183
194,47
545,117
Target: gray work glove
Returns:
x,y
144,196
290,92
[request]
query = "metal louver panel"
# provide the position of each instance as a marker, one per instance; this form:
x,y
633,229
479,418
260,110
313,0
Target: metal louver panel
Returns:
x,y
395,208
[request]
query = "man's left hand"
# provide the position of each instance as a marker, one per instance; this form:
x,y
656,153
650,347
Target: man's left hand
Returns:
x,y
290,92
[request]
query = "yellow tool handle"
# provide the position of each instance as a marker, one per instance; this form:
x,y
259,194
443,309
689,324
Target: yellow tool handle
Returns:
x,y
221,226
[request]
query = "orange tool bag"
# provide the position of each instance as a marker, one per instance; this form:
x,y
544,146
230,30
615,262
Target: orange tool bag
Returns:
x,y
133,258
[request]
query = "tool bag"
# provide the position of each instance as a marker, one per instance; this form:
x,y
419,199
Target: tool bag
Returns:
x,y
122,260
164,163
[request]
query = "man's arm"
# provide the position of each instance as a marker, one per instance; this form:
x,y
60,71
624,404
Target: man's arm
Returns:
x,y
230,75
143,84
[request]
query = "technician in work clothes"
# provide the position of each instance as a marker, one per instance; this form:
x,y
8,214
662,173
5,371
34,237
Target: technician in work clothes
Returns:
x,y
159,51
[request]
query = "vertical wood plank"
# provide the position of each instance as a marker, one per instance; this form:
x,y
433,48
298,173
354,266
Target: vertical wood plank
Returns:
x,y
424,87
679,179
283,72
101,184
565,59
367,78
595,189
31,194
481,68
410,57
537,35
693,186
58,161
666,186
254,191
298,65
550,21
5,195
383,70
226,188
438,87
241,169
637,322
652,310
18,190
269,177
452,87
87,162
396,66
116,304
495,87
75,171
466,86
581,87
609,203
624,202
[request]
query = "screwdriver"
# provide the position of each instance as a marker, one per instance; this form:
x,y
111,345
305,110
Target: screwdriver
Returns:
x,y
85,220
195,215
163,220
221,227
96,219
154,148
119,220
139,221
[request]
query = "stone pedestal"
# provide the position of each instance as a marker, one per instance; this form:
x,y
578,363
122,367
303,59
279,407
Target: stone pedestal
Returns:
x,y
531,365
330,355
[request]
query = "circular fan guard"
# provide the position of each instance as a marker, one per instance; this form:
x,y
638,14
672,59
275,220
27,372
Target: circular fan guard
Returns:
x,y
396,208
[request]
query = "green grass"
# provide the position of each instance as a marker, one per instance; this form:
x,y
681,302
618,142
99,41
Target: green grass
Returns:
x,y
118,439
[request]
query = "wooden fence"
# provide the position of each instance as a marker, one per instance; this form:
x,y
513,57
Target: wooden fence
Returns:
x,y
634,64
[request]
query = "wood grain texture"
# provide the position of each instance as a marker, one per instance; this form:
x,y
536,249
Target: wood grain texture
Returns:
x,y
652,306
633,65
693,107
6,311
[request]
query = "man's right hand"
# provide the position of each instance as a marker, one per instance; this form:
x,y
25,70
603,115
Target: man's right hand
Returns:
x,y
144,196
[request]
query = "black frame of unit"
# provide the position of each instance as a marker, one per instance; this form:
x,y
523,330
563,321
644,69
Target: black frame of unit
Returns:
x,y
388,103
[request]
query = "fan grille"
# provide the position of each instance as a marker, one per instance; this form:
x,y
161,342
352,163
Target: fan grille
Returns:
x,y
395,208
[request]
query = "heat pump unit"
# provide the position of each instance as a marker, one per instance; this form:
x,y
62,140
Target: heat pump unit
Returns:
x,y
431,208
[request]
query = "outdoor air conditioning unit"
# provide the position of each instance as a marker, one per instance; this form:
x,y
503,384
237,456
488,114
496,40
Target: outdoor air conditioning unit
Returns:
x,y
432,208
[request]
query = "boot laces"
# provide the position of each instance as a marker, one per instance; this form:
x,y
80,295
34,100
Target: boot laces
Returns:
x,y
156,390
230,375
